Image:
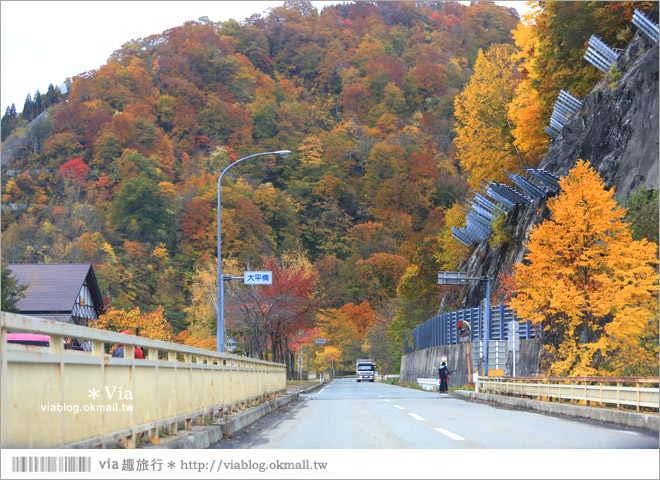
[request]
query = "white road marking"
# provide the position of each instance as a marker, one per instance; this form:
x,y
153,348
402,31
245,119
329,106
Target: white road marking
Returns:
x,y
416,417
451,435
387,400
629,433
399,407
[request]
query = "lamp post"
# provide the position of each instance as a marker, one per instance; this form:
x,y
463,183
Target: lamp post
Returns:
x,y
220,343
460,278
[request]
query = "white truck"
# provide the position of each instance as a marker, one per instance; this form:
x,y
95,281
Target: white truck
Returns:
x,y
365,370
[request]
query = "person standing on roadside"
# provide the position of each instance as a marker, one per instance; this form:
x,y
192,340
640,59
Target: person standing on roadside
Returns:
x,y
443,374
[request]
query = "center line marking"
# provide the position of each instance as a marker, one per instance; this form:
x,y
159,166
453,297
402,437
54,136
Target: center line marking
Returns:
x,y
451,435
416,417
399,407
387,400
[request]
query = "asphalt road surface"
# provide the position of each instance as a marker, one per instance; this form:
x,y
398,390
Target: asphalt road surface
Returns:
x,y
351,415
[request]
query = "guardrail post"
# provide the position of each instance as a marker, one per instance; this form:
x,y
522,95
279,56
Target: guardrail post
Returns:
x,y
559,393
57,348
172,428
98,351
187,358
200,418
154,433
4,423
129,352
586,394
572,397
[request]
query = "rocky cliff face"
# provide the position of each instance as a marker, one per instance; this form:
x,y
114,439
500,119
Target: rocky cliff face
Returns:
x,y
616,130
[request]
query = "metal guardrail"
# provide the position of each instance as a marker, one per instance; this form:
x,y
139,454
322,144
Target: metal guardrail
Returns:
x,y
637,392
428,384
53,397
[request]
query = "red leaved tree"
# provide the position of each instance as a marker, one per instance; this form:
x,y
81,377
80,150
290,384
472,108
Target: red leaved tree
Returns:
x,y
75,170
272,317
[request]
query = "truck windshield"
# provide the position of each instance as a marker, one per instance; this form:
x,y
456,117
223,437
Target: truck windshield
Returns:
x,y
365,368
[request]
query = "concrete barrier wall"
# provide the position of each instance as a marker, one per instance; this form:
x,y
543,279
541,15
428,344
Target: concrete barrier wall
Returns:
x,y
424,363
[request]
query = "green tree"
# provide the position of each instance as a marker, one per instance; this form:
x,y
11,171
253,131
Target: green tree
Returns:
x,y
53,96
9,121
40,131
12,292
28,108
139,209
642,213
38,103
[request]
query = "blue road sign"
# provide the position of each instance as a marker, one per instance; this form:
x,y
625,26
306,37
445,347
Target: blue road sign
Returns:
x,y
258,278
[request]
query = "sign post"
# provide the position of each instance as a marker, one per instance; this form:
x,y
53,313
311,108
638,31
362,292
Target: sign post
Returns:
x,y
514,344
461,278
463,328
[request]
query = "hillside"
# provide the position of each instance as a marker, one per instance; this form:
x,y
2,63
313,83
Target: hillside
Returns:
x,y
392,111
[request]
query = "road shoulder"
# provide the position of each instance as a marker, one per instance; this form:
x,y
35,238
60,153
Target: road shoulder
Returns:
x,y
642,421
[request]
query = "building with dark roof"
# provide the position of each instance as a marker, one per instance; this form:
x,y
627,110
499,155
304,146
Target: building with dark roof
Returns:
x,y
62,292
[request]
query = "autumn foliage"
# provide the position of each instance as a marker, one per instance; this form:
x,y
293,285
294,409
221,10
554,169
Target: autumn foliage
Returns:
x,y
589,285
391,111
485,142
151,325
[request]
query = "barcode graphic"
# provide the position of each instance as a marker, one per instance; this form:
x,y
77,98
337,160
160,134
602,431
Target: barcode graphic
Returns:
x,y
51,464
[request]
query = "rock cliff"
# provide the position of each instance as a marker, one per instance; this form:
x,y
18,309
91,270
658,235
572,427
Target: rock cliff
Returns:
x,y
616,130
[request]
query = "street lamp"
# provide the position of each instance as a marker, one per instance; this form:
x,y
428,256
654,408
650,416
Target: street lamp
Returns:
x,y
460,278
220,343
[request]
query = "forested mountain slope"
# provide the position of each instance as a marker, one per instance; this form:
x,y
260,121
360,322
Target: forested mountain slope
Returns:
x,y
122,172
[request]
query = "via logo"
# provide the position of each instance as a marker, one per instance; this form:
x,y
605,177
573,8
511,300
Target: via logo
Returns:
x,y
112,393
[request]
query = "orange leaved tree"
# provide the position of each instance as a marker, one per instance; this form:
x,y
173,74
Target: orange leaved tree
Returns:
x,y
592,288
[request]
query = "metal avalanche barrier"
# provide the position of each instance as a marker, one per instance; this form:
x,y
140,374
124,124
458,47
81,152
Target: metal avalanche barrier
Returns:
x,y
55,397
614,392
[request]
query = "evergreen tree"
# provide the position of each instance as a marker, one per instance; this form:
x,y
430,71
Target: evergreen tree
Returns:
x,y
9,120
28,108
53,96
38,103
11,291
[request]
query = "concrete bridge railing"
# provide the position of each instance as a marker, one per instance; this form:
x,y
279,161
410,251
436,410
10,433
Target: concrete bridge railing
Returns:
x,y
54,397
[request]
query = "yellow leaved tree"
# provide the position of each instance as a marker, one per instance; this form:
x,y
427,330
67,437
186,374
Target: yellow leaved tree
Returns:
x,y
151,325
201,314
527,110
589,285
325,357
485,142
